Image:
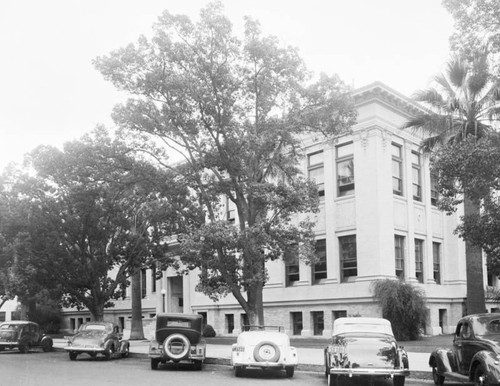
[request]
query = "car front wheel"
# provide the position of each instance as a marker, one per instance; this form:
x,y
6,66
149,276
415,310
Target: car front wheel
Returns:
x,y
154,364
479,375
72,355
437,378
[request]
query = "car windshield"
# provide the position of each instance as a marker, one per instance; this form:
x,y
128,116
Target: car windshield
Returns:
x,y
487,326
10,327
262,328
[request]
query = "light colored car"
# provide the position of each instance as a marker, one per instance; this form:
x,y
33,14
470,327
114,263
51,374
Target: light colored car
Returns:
x,y
365,347
95,338
178,338
265,348
23,335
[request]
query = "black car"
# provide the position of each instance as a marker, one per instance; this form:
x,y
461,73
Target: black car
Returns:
x,y
475,356
23,335
178,338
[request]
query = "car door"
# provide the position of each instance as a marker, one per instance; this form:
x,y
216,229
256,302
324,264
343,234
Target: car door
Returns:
x,y
35,334
468,347
460,343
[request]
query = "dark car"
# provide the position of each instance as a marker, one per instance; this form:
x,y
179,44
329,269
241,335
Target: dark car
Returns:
x,y
475,356
23,335
95,338
365,348
178,338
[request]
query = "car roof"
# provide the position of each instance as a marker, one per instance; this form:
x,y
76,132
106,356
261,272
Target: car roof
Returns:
x,y
362,325
179,315
17,322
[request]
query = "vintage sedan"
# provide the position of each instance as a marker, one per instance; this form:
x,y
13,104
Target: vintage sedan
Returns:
x,y
95,338
264,347
365,347
178,338
475,356
23,335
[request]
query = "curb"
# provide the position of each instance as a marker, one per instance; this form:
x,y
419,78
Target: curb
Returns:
x,y
421,375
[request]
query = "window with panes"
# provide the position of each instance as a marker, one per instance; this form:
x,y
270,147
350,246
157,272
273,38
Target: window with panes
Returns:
x,y
345,169
348,257
434,191
318,322
419,260
397,169
416,176
292,271
296,319
316,171
230,211
319,268
399,252
436,259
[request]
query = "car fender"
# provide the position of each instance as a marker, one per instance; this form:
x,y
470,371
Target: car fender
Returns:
x,y
293,357
108,344
490,362
44,339
440,359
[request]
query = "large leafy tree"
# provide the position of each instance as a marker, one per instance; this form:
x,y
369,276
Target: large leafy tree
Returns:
x,y
92,216
462,104
477,25
235,110
476,165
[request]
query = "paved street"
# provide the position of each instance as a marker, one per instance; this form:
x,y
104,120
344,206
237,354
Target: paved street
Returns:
x,y
54,369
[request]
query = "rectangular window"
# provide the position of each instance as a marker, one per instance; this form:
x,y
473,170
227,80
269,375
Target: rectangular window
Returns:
x,y
397,170
153,277
316,171
345,170
229,323
434,191
416,176
419,260
339,314
318,322
144,288
348,259
296,322
436,258
319,268
292,275
399,251
230,211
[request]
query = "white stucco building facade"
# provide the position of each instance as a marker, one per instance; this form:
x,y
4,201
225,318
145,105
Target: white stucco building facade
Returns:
x,y
378,220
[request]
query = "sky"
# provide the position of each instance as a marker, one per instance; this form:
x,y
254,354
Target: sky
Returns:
x,y
51,93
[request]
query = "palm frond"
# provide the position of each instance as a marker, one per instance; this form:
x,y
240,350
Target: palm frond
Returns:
x,y
457,72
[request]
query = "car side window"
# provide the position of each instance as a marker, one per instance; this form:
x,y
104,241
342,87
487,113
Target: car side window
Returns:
x,y
465,331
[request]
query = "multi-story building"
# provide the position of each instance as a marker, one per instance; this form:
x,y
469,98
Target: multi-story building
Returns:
x,y
378,219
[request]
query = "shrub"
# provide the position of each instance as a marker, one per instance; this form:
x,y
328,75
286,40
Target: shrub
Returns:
x,y
208,331
48,317
403,305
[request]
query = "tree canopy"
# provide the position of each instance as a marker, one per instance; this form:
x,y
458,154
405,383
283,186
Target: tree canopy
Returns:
x,y
83,218
236,110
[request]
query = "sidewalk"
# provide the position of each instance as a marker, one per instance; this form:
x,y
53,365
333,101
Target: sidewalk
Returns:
x,y
310,356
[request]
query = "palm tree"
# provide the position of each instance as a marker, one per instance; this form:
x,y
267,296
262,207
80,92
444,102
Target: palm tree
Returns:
x,y
463,103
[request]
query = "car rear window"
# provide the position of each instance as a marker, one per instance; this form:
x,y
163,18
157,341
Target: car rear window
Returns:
x,y
10,327
95,327
178,323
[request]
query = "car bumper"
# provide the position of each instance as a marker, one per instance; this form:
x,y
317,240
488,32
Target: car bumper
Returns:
x,y
369,372
264,365
85,349
9,344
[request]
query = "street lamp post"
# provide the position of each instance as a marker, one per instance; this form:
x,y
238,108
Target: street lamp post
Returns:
x,y
163,293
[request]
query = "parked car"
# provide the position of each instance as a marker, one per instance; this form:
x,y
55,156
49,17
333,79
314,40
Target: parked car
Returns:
x,y
95,338
364,347
23,335
475,356
265,347
178,338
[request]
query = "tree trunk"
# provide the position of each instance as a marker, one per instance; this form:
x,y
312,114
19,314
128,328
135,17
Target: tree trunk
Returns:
x,y
136,330
475,302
